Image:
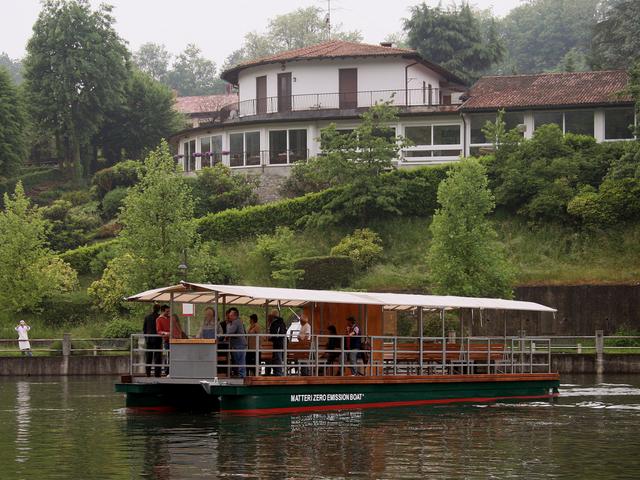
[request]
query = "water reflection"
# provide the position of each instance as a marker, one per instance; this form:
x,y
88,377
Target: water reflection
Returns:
x,y
77,428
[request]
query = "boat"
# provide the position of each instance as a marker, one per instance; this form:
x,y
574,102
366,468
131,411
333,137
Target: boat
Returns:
x,y
388,370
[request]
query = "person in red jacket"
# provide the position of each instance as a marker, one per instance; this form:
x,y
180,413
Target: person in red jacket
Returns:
x,y
163,326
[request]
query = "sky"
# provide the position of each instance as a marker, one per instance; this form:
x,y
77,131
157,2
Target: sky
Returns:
x,y
216,26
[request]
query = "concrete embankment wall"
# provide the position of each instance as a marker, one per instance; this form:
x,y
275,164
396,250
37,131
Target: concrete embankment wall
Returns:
x,y
61,365
119,365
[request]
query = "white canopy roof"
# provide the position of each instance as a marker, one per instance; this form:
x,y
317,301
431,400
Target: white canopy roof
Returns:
x,y
294,297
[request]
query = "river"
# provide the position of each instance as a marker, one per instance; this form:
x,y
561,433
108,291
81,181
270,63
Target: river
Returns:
x,y
77,428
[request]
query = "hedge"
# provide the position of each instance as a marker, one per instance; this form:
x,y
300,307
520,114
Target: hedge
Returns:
x,y
29,178
325,272
80,258
416,196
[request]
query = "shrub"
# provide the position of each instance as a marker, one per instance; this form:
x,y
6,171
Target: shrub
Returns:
x,y
81,258
123,174
616,201
280,250
112,202
325,272
77,197
363,247
218,188
70,309
120,328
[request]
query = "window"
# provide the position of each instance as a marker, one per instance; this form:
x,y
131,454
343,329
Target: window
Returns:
x,y
546,118
190,161
236,149
580,122
287,146
418,135
388,133
252,148
446,134
477,124
617,123
216,149
205,149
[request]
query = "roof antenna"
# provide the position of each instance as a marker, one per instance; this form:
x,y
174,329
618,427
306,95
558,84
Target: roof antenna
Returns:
x,y
327,19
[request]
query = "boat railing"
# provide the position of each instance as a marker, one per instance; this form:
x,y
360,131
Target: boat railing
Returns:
x,y
326,355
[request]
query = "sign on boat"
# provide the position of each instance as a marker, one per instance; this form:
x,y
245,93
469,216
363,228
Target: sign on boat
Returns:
x,y
329,371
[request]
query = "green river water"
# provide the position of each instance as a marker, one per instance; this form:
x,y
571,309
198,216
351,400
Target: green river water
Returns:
x,y
77,428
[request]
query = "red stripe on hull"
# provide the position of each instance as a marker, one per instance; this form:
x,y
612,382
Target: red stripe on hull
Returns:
x,y
352,406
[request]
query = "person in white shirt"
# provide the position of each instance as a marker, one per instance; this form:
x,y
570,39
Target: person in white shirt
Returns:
x,y
305,329
23,338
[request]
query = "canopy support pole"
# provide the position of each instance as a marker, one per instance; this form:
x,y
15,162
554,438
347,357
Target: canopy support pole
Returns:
x,y
215,314
444,343
421,335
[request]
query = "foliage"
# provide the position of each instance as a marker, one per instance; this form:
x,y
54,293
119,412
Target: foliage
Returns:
x,y
13,67
120,328
192,74
210,267
157,228
538,36
363,247
464,257
71,226
615,201
153,59
136,125
615,43
70,93
113,201
217,188
326,272
413,192
123,174
281,250
13,122
625,331
297,29
68,310
454,39
30,271
634,90
81,258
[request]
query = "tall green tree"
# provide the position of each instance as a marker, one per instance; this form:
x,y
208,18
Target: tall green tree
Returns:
x,y
615,41
30,271
14,67
13,122
465,257
146,116
454,38
297,29
75,71
539,34
193,74
153,59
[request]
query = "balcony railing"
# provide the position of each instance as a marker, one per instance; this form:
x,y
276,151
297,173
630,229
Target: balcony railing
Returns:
x,y
342,100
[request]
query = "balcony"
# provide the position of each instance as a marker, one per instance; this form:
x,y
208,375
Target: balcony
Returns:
x,y
423,97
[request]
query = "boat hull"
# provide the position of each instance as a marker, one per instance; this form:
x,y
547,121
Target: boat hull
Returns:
x,y
269,395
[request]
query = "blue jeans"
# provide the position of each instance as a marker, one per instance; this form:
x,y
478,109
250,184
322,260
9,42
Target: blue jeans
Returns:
x,y
352,361
238,360
276,359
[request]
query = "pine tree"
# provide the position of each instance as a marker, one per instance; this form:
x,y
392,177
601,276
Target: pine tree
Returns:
x,y
13,122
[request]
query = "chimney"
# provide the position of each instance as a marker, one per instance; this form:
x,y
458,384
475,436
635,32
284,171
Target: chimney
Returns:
x,y
386,44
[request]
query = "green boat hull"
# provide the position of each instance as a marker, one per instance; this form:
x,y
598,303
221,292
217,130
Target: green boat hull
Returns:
x,y
285,397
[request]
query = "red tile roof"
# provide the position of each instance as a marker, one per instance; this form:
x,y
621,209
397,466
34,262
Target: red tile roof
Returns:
x,y
334,49
204,104
548,90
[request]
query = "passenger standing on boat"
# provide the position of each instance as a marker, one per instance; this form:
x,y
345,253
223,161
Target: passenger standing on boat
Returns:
x,y
304,335
237,344
23,338
333,344
163,325
278,330
254,329
208,329
353,344
152,342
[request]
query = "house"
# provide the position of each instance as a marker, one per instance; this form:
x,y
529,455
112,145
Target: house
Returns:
x,y
285,100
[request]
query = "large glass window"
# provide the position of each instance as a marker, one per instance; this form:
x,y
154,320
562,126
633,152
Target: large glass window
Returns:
x,y
191,164
546,118
618,123
446,134
512,119
420,135
277,147
580,122
387,133
236,149
185,156
252,148
216,149
297,145
477,124
205,152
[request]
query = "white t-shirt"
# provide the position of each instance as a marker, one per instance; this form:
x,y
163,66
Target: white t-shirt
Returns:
x,y
305,332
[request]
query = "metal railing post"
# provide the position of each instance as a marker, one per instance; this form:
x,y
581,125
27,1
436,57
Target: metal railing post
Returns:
x,y
599,352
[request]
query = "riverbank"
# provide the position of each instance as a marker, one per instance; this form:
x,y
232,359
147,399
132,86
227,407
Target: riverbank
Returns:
x,y
563,363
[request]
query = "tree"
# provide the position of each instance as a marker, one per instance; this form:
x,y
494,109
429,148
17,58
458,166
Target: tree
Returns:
x,y
153,59
146,116
464,257
217,188
13,122
75,71
14,67
297,29
538,35
30,271
634,90
192,74
615,41
453,38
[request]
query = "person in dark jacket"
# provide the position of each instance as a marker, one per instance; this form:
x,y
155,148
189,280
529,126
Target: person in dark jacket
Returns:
x,y
152,343
277,328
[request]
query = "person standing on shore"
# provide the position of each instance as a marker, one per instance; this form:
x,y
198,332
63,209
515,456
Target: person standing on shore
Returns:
x,y
23,338
152,342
